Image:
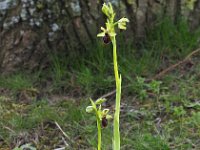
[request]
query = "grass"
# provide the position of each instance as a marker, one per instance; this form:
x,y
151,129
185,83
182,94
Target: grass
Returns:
x,y
143,126
168,120
16,82
172,40
91,73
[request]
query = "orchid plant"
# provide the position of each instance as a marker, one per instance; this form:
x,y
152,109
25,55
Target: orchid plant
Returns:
x,y
108,35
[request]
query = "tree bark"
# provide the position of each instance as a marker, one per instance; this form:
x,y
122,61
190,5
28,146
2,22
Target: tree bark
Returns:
x,y
29,30
194,17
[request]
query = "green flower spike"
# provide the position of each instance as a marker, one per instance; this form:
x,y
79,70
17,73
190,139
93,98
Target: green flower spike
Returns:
x,y
102,116
109,35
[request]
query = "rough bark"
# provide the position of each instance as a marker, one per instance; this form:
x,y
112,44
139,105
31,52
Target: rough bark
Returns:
x,y
29,30
194,18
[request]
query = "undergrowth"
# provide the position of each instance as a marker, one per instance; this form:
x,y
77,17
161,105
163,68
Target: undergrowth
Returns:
x,y
172,123
165,44
88,72
160,115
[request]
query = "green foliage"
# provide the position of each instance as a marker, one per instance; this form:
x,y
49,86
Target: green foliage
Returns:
x,y
58,66
154,86
172,125
141,87
172,40
150,142
140,124
25,146
86,79
16,82
90,71
195,119
40,112
179,111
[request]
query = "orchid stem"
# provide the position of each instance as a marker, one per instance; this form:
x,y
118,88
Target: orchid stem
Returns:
x,y
99,133
116,144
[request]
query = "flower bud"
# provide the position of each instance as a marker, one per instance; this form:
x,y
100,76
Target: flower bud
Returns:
x,y
89,109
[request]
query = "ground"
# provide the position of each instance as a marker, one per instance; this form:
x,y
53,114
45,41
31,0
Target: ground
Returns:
x,y
158,114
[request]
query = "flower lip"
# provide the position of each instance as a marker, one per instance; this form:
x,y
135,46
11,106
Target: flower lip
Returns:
x,y
106,38
104,122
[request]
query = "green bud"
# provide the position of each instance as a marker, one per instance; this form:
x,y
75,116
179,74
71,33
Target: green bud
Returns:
x,y
105,9
89,109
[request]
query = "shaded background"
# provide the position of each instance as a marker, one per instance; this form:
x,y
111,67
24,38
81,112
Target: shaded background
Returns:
x,y
31,29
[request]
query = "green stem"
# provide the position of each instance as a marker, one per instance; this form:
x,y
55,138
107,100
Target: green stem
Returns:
x,y
115,61
116,144
99,133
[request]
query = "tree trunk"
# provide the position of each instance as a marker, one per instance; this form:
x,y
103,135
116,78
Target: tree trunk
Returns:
x,y
29,30
194,18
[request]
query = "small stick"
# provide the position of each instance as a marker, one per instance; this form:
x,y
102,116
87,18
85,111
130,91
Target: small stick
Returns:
x,y
159,75
68,138
9,129
62,148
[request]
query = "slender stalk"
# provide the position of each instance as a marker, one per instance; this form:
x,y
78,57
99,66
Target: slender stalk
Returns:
x,y
115,61
116,144
99,133
107,34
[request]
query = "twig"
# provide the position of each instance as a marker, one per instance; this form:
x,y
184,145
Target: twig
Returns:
x,y
65,141
9,129
170,68
67,137
113,92
108,94
62,148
